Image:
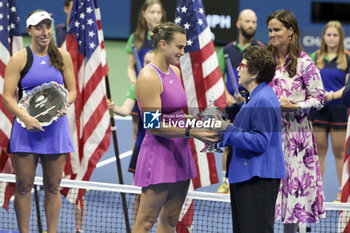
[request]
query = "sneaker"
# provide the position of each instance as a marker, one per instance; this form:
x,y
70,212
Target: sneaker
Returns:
x,y
224,188
338,199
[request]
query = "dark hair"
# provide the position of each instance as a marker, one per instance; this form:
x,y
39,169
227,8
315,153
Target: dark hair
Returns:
x,y
260,60
54,54
288,20
166,31
142,27
67,2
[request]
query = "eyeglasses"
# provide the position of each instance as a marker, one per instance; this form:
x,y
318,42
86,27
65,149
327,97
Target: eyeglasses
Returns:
x,y
242,65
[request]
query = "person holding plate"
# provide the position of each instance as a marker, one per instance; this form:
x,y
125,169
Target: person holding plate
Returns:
x,y
257,163
41,62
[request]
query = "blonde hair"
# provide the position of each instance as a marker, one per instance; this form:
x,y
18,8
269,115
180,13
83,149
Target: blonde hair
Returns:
x,y
341,60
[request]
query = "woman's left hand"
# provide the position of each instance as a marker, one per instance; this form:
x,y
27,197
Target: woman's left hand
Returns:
x,y
287,106
63,112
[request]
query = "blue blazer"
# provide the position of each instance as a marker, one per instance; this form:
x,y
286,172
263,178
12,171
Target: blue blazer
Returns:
x,y
256,138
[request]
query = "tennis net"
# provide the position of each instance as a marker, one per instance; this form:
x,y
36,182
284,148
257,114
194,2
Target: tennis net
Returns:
x,y
110,208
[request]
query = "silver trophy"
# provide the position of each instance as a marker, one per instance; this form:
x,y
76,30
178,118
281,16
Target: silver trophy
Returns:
x,y
43,102
211,114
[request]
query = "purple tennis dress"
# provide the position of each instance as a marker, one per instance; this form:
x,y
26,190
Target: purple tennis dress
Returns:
x,y
56,139
161,159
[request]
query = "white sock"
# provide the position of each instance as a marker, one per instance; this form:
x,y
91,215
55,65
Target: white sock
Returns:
x,y
223,176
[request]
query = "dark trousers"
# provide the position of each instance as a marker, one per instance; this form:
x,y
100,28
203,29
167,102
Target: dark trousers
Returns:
x,y
253,205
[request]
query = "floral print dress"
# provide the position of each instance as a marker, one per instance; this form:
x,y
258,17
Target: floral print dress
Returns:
x,y
300,198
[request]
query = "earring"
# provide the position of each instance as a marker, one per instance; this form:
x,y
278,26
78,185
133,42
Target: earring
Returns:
x,y
290,37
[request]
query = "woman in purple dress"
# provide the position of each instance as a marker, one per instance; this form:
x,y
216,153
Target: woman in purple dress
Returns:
x,y
51,143
165,164
298,86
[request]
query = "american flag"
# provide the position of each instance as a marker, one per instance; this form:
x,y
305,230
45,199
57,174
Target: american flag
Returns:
x,y
344,216
89,115
10,43
203,83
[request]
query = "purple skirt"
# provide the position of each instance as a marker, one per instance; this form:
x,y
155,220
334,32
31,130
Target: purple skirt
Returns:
x,y
164,160
56,139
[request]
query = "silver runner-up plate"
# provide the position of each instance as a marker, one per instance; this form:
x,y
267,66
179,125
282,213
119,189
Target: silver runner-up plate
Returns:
x,y
43,102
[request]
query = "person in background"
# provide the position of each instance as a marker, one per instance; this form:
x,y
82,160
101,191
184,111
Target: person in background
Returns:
x,y
151,13
346,101
257,161
62,28
333,61
298,86
346,95
61,31
246,24
125,110
32,143
165,164
130,99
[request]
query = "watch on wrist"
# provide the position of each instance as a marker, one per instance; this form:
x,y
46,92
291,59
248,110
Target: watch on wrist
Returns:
x,y
187,133
299,107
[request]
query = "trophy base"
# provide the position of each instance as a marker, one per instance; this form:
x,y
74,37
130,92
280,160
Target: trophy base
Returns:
x,y
211,149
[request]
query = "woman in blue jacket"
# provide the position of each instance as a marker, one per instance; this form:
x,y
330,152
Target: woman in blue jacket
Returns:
x,y
257,163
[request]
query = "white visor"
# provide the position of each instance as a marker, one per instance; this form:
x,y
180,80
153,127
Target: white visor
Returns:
x,y
37,17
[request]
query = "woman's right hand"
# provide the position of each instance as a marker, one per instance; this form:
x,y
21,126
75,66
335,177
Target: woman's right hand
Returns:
x,y
31,123
205,135
329,96
224,124
110,104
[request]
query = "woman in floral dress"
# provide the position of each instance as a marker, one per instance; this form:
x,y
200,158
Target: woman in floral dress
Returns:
x,y
298,86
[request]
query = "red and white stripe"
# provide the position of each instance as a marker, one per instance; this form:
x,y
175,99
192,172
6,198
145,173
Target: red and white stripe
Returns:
x,y
6,119
89,115
5,116
201,74
203,82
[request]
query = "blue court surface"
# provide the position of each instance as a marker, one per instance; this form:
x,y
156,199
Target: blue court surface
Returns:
x,y
106,171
